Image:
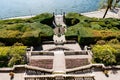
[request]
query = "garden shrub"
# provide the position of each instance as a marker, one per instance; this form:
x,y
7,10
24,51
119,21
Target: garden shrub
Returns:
x,y
25,30
104,54
117,53
13,55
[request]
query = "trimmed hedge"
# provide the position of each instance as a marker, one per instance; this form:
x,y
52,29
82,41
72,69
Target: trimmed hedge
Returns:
x,y
88,40
27,41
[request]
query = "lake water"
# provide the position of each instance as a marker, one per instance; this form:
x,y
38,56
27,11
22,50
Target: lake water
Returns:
x,y
15,8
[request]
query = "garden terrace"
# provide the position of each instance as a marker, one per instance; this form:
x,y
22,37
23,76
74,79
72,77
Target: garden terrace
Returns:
x,y
42,63
90,30
73,63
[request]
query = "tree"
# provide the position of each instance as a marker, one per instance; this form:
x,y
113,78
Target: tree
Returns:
x,y
116,2
109,5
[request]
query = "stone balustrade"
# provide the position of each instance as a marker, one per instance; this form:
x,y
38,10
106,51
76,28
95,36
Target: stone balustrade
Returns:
x,y
64,77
